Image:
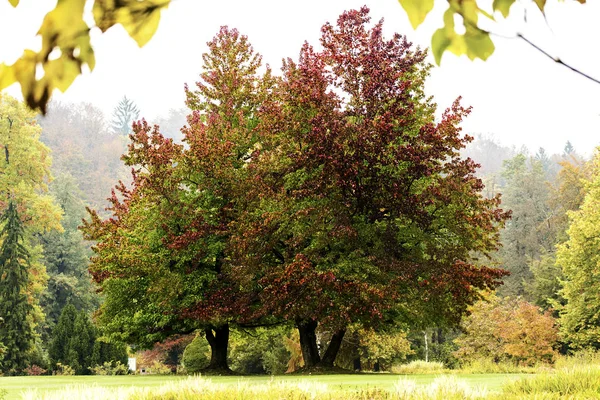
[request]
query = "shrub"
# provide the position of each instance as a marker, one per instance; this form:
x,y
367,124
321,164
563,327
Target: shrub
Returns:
x,y
508,329
196,355
110,368
35,370
64,369
158,368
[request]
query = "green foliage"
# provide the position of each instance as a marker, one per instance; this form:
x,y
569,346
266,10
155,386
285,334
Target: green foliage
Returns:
x,y
579,257
64,31
383,348
58,348
16,330
260,351
530,231
110,368
62,369
196,355
75,344
476,42
66,257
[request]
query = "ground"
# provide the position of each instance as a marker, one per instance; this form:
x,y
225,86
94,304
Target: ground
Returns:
x,y
16,385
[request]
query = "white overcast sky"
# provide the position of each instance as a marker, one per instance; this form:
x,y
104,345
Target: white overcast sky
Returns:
x,y
518,96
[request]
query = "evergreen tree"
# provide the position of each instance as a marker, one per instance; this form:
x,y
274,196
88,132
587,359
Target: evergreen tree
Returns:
x,y
123,115
569,149
58,350
16,331
81,345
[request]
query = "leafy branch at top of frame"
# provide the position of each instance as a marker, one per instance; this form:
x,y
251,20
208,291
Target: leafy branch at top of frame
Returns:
x,y
66,45
475,42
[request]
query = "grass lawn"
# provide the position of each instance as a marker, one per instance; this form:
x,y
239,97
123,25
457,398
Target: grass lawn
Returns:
x,y
16,385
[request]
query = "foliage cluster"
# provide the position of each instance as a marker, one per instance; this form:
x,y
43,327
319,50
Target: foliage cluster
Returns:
x,y
506,329
76,343
323,198
110,368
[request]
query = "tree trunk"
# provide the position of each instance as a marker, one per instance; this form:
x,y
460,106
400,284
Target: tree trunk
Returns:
x,y
308,342
356,364
218,339
333,348
426,347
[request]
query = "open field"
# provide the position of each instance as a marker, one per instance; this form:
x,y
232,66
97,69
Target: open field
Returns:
x,y
17,385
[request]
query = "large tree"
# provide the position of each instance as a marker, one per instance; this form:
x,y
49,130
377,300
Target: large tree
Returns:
x,y
166,249
367,210
330,198
579,256
16,330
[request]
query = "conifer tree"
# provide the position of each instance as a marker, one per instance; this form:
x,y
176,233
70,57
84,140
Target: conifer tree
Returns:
x,y
16,331
61,336
123,115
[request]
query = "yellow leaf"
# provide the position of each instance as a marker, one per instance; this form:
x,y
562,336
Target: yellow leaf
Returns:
x,y
143,29
416,10
541,4
478,44
140,18
7,76
14,3
503,6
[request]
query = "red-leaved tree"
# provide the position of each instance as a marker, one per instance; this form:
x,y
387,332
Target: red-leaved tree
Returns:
x,y
367,211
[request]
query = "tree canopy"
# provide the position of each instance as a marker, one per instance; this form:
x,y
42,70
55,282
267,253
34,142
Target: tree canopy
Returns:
x,y
330,196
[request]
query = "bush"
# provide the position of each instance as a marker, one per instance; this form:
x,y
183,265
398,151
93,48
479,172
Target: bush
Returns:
x,y
35,370
64,369
507,329
158,368
110,368
196,355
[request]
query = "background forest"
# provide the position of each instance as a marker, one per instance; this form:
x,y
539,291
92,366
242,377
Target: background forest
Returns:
x,y
54,167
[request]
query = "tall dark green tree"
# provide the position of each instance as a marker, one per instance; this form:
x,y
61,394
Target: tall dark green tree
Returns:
x,y
58,349
16,332
123,115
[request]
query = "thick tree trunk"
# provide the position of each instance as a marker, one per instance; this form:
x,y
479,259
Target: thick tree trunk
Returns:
x,y
308,342
310,350
333,349
218,339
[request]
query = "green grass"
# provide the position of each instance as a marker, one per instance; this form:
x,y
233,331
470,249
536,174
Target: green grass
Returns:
x,y
17,385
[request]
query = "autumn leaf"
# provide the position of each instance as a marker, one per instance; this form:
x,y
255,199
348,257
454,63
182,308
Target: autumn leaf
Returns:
x,y
417,10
